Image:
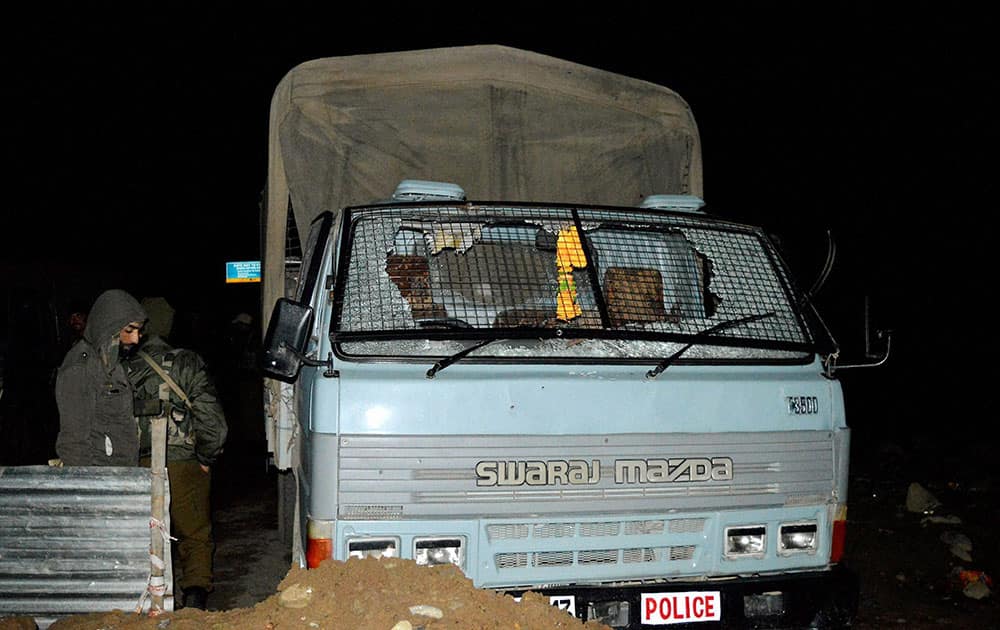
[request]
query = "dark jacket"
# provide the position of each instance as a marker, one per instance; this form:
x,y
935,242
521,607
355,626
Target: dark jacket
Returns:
x,y
198,432
96,424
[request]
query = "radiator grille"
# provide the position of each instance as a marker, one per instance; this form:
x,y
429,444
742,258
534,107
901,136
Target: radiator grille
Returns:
x,y
589,557
416,476
521,531
561,533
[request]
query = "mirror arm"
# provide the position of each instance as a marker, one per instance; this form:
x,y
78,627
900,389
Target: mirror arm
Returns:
x,y
879,360
329,372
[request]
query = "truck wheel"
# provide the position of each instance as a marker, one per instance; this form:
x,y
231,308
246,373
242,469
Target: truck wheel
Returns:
x,y
286,510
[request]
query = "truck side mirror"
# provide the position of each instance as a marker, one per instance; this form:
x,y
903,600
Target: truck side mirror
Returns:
x,y
285,340
874,357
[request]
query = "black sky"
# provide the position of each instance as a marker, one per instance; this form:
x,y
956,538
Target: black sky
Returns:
x,y
139,143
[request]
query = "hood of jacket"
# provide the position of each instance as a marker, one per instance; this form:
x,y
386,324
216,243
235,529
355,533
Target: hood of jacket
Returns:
x,y
112,311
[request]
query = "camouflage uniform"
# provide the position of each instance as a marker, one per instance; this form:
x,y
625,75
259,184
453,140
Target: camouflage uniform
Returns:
x,y
195,436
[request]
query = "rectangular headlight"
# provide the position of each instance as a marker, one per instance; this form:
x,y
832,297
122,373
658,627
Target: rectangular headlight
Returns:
x,y
797,537
373,548
439,550
744,542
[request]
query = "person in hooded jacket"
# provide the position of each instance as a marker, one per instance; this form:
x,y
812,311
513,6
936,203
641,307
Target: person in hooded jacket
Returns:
x,y
93,393
196,434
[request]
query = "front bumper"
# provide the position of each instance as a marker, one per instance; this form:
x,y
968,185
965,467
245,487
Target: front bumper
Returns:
x,y
818,599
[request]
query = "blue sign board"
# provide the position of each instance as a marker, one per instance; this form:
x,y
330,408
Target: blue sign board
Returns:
x,y
245,271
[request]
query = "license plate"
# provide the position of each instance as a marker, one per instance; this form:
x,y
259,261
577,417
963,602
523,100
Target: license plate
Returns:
x,y
662,609
564,602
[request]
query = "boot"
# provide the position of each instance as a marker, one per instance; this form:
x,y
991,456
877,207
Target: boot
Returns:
x,y
195,597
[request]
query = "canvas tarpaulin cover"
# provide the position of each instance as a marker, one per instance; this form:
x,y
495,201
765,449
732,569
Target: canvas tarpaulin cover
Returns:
x,y
502,123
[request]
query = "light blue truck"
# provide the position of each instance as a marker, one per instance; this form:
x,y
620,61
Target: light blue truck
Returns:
x,y
507,335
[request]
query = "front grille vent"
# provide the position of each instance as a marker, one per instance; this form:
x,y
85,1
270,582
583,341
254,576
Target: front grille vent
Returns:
x,y
601,556
687,525
600,529
555,530
644,554
511,560
521,531
507,532
653,552
685,552
552,559
640,555
372,512
640,528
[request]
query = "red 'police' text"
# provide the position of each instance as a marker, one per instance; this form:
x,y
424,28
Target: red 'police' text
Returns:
x,y
670,608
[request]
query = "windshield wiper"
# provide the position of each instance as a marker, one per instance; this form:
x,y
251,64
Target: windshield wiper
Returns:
x,y
701,336
458,356
451,323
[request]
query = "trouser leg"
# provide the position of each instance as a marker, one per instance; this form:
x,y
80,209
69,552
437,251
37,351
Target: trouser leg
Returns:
x,y
191,522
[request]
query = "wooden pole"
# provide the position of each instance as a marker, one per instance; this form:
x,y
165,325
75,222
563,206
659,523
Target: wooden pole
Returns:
x,y
158,470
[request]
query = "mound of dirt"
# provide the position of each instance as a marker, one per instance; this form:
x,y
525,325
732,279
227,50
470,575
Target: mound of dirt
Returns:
x,y
389,594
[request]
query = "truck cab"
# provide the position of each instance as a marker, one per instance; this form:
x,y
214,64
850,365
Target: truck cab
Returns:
x,y
625,406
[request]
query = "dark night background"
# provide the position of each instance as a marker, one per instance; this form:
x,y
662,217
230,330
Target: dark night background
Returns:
x,y
134,152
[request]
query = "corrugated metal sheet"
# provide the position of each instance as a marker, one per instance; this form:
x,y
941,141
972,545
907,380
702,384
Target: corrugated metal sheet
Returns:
x,y
74,540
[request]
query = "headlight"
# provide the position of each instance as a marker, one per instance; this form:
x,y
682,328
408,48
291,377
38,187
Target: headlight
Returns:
x,y
797,537
373,548
745,541
433,551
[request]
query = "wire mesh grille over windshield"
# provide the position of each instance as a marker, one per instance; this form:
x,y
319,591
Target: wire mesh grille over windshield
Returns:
x,y
492,268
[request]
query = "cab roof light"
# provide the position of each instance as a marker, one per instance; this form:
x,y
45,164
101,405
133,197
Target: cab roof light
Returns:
x,y
677,203
421,190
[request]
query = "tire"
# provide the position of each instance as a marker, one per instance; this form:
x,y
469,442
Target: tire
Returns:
x,y
287,488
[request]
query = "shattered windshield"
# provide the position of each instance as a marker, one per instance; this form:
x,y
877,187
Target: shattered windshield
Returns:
x,y
558,282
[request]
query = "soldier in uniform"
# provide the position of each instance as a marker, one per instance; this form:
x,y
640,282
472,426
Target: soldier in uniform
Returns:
x,y
93,392
174,383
